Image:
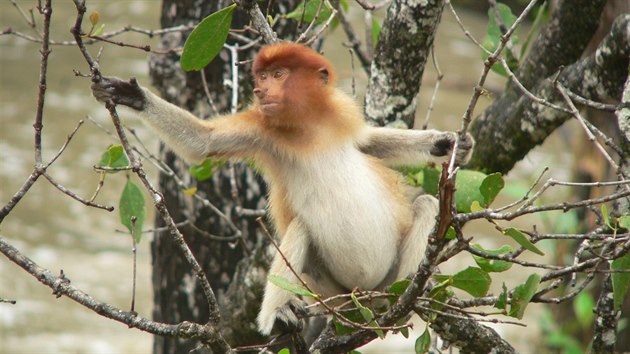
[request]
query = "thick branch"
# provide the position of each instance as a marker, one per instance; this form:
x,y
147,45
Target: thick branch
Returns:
x,y
512,126
401,53
469,336
259,21
61,286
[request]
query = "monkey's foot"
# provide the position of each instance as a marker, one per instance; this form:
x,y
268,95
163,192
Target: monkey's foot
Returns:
x,y
288,318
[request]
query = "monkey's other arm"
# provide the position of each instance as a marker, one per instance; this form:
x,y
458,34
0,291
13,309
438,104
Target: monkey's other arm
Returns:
x,y
409,147
190,137
280,309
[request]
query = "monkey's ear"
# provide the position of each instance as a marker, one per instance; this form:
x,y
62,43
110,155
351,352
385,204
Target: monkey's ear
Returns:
x,y
323,73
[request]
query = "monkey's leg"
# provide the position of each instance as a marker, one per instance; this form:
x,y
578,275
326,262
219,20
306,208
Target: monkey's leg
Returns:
x,y
279,307
425,209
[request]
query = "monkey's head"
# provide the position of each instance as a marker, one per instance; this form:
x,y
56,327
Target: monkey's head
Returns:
x,y
290,78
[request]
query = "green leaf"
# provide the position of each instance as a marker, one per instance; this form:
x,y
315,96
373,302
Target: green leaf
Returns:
x,y
207,39
423,343
620,280
206,169
354,316
566,343
366,313
522,294
284,351
132,205
311,12
502,300
114,156
430,180
522,240
450,233
605,216
466,186
492,265
376,31
472,280
475,207
399,286
467,190
583,305
405,330
493,38
118,158
99,30
470,186
624,222
379,332
491,186
285,284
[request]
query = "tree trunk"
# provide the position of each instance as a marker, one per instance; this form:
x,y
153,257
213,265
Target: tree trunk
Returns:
x,y
401,53
177,294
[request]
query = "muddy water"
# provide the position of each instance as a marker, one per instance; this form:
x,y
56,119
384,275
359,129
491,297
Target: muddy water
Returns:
x,y
59,233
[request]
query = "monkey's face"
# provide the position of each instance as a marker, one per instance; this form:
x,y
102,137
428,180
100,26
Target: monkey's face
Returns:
x,y
270,90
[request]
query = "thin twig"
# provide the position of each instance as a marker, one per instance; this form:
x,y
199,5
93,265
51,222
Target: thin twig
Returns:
x,y
439,77
576,113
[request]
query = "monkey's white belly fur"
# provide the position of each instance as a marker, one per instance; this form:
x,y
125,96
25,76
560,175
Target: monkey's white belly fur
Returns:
x,y
349,214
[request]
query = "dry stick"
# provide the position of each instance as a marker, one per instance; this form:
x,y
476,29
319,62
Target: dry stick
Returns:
x,y
29,21
366,5
502,27
355,43
435,89
526,196
525,91
565,206
478,90
146,48
590,103
419,309
589,134
74,196
133,250
62,286
158,199
39,167
303,35
333,14
206,90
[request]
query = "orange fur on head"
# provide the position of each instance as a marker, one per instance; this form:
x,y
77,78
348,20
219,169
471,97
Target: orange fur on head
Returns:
x,y
306,96
294,57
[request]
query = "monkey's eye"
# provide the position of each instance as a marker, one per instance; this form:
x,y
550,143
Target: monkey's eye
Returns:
x,y
262,76
278,74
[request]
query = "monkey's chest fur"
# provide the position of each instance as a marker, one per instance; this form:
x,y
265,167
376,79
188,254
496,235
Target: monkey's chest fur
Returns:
x,y
349,213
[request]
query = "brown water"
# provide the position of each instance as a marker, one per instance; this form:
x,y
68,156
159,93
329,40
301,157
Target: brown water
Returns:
x,y
59,233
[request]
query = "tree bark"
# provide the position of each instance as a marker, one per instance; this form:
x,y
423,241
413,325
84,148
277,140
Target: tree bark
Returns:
x,y
177,295
403,47
514,124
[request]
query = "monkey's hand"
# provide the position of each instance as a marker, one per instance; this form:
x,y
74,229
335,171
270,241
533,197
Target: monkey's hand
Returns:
x,y
126,93
283,319
444,142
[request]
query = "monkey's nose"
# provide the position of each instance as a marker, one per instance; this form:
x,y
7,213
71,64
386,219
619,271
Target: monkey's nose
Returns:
x,y
259,92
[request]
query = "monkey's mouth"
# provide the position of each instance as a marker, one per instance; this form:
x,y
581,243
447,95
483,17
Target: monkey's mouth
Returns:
x,y
268,104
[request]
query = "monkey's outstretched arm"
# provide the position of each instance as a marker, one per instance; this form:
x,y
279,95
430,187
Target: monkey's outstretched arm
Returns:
x,y
190,137
409,147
